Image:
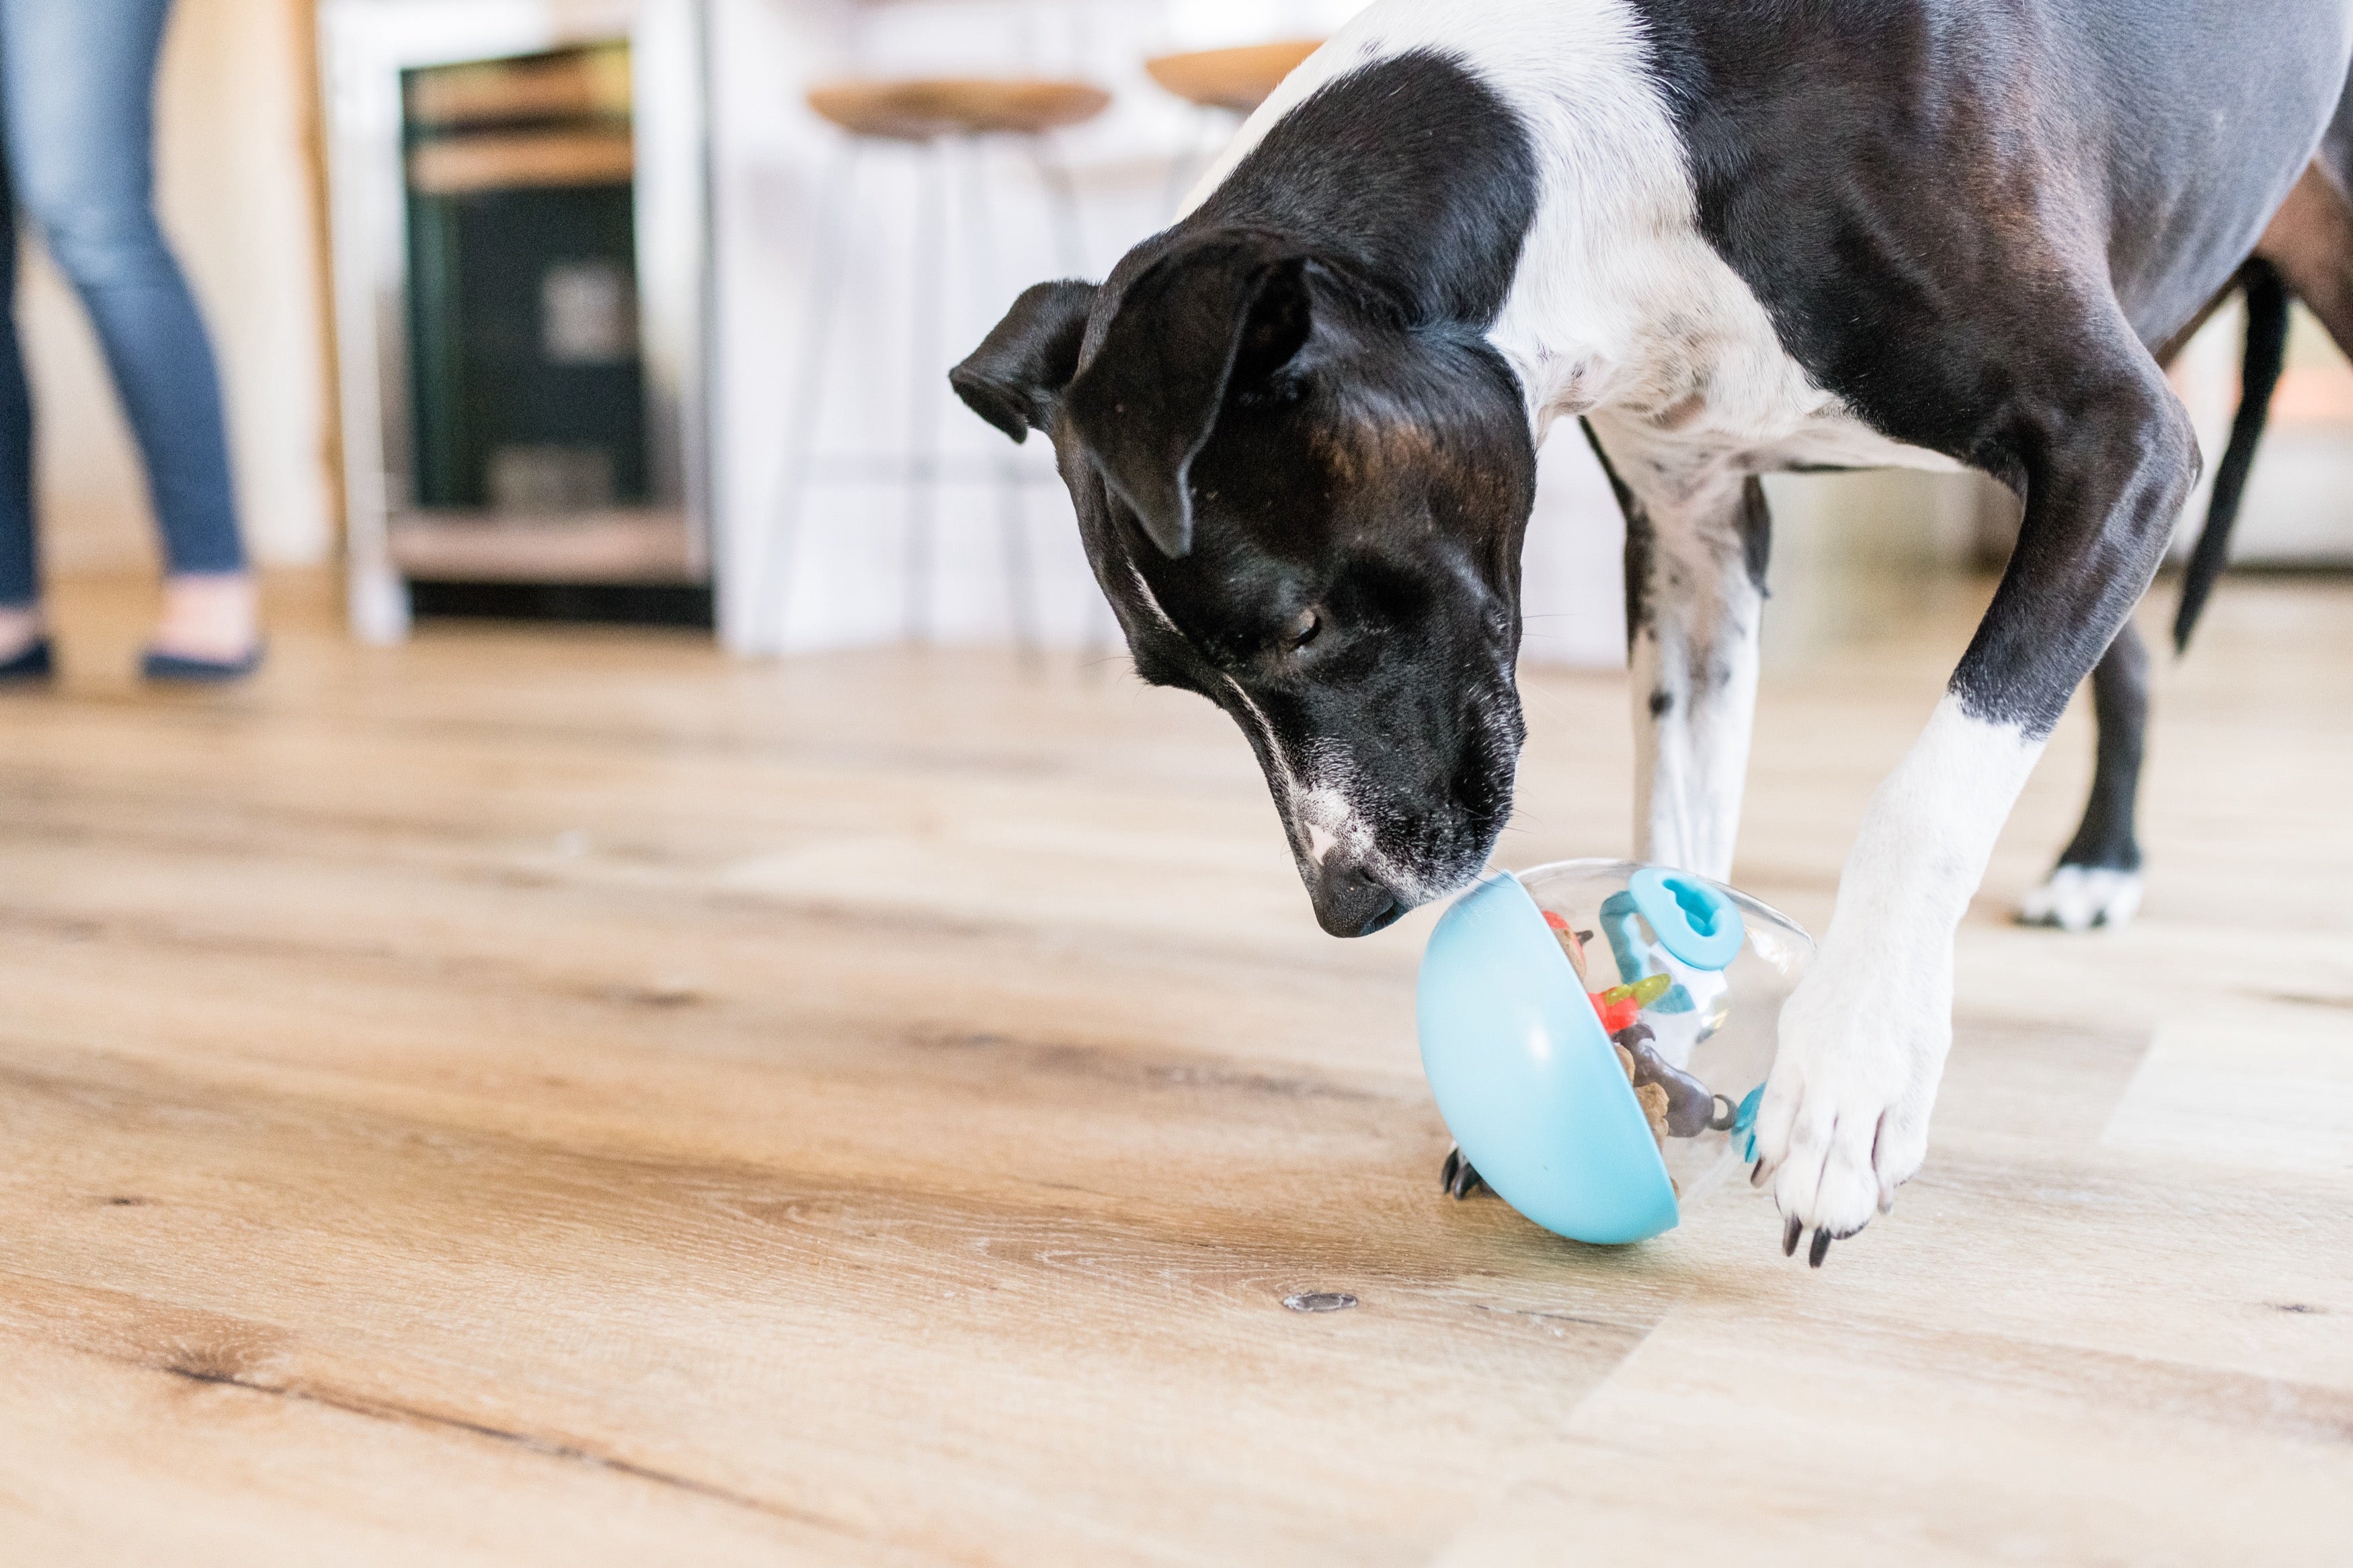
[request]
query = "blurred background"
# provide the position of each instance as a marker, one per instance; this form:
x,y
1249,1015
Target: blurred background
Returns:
x,y
579,309
825,1067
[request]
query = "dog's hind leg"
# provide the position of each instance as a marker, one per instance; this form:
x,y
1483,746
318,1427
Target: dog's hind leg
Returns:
x,y
1695,602
2097,879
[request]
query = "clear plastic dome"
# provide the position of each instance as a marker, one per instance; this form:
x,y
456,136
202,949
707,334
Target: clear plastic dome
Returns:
x,y
1694,1040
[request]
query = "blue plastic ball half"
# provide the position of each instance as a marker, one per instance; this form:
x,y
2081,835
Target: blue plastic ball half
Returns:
x,y
1528,1082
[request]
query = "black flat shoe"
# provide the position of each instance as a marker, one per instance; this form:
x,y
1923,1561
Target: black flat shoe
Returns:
x,y
33,664
182,670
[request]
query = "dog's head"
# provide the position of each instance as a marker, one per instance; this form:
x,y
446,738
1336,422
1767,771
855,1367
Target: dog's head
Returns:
x,y
1306,505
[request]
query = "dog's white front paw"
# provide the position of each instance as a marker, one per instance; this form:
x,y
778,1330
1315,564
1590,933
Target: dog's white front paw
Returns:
x,y
2077,898
1844,1120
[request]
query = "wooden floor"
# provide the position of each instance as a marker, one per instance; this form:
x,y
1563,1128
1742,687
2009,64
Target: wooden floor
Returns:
x,y
563,1097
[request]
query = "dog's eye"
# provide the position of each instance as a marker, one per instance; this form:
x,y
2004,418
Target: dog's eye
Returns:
x,y
1302,628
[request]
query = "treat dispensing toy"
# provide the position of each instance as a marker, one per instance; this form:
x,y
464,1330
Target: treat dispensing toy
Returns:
x,y
1597,1034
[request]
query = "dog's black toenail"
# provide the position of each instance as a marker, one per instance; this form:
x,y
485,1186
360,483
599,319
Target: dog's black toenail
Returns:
x,y
1821,1249
1790,1233
1458,1180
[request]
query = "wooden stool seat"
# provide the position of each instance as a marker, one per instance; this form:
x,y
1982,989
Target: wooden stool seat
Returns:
x,y
1239,80
923,109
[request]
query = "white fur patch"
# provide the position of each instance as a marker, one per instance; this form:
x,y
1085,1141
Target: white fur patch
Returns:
x,y
2078,898
1327,817
1315,794
1863,1038
1698,653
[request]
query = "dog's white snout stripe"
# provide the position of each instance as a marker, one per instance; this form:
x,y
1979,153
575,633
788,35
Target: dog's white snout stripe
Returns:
x,y
1319,803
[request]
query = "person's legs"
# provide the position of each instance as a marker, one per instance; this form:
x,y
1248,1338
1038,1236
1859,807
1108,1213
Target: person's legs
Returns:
x,y
77,83
20,586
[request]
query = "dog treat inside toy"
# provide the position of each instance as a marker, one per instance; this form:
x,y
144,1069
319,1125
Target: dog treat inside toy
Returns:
x,y
1676,1104
1649,1096
1686,1107
1572,942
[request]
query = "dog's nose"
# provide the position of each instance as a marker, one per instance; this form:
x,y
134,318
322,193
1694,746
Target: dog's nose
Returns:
x,y
1348,902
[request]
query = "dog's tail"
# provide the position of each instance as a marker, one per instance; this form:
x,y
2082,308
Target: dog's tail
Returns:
x,y
2259,374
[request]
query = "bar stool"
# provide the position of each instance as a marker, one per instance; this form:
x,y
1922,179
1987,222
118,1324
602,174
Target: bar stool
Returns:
x,y
1237,80
1223,85
932,114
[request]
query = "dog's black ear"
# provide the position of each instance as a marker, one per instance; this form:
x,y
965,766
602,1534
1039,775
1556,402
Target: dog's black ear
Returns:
x,y
1018,372
1218,314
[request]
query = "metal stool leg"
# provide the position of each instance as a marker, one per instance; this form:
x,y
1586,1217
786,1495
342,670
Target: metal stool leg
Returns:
x,y
1188,163
1013,533
772,579
1012,504
1063,202
926,387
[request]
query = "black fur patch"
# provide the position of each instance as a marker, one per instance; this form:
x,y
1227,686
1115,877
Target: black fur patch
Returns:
x,y
1409,174
1642,543
2120,702
1755,531
1015,377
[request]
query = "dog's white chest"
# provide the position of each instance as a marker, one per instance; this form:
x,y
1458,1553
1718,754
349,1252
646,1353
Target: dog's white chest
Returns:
x,y
1839,440
1700,387
1643,326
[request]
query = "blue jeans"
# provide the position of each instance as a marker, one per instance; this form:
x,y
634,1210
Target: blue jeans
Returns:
x,y
76,103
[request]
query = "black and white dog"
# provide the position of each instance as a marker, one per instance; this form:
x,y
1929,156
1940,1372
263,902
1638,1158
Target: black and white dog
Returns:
x,y
1734,237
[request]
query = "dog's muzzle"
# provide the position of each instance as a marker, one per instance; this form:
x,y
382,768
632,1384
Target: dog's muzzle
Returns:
x,y
1349,900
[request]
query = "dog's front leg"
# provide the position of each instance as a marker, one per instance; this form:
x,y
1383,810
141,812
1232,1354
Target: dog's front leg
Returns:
x,y
2106,461
1696,558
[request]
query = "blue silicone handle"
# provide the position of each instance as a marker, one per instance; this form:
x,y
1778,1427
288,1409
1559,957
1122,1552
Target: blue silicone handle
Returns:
x,y
1692,918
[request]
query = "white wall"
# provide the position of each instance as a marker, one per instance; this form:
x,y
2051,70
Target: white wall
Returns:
x,y
232,189
2298,506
